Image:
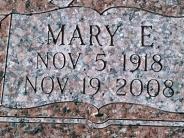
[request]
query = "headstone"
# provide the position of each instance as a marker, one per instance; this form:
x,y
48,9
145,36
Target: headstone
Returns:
x,y
77,54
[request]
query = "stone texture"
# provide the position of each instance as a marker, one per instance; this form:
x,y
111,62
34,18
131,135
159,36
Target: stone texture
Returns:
x,y
167,7
49,131
24,6
29,37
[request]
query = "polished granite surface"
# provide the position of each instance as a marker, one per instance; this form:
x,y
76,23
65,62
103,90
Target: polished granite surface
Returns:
x,y
29,29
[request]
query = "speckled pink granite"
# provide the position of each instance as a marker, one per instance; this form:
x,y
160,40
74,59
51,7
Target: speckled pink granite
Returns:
x,y
69,110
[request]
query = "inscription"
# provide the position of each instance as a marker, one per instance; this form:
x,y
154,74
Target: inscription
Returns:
x,y
87,57
95,83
